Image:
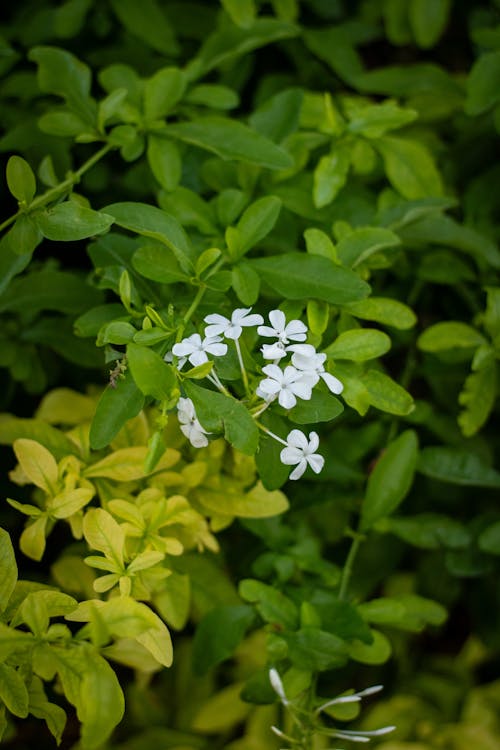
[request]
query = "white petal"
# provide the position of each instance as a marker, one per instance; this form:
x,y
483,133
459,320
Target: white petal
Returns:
x,y
278,320
307,350
296,330
197,438
309,378
252,320
273,351
297,439
233,332
183,349
313,442
302,389
274,372
185,409
275,681
238,314
217,319
316,462
291,374
218,350
214,330
269,386
333,383
286,399
266,331
198,358
291,456
299,470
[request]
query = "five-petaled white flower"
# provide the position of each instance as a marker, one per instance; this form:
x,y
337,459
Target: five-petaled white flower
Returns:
x,y
301,451
286,384
231,328
285,332
311,364
195,350
189,424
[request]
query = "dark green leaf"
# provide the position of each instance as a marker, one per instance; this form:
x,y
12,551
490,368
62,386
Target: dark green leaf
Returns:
x,y
152,375
279,116
356,247
230,139
457,467
301,276
255,223
390,480
321,407
315,649
428,19
489,539
483,84
157,262
273,606
147,21
219,413
71,221
218,634
115,407
165,161
152,222
49,290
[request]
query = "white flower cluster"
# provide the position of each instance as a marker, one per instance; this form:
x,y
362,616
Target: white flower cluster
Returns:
x,y
342,734
296,380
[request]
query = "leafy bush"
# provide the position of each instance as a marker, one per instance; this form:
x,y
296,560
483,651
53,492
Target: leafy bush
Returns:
x,y
249,290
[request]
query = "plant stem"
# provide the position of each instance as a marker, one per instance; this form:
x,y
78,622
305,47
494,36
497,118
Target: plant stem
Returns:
x,y
64,186
242,368
271,434
349,564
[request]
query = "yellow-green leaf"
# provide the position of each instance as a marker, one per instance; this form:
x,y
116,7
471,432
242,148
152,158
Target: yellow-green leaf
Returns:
x,y
122,465
38,464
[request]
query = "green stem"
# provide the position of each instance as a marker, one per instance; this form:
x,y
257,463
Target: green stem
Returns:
x,y
349,564
55,191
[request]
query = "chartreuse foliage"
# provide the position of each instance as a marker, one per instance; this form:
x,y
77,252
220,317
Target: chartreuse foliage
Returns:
x,y
268,233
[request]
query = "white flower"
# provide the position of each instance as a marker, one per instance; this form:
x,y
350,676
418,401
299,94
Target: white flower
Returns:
x,y
273,351
301,451
285,384
277,685
231,328
195,350
311,365
189,424
285,332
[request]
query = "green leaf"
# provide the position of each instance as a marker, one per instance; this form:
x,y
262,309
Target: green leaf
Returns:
x,y
218,413
162,92
39,706
335,46
61,73
246,283
214,96
279,116
377,652
449,335
148,22
478,398
165,161
157,262
218,634
231,139
340,617
386,394
427,531
321,407
491,315
255,224
301,276
62,123
483,84
410,167
272,605
150,221
23,237
242,12
49,290
319,243
101,702
13,691
20,179
104,534
315,649
457,467
391,479
116,332
428,19
359,345
272,472
38,464
116,405
330,175
190,209
374,120
153,376
357,246
12,428
71,221
389,312
8,569
228,43
489,539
